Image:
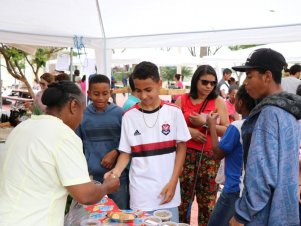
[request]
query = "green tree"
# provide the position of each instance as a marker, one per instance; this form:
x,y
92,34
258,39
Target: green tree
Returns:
x,y
15,60
238,47
168,73
186,72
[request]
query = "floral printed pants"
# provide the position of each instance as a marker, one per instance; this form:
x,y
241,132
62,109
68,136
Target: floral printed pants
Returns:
x,y
206,188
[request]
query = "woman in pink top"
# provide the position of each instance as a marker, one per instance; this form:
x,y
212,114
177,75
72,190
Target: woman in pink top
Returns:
x,y
83,85
233,115
178,85
203,95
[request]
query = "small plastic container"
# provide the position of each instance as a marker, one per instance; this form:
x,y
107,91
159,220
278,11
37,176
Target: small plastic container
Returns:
x,y
183,224
152,221
164,215
90,222
169,223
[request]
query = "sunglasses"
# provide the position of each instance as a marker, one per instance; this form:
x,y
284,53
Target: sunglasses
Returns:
x,y
206,82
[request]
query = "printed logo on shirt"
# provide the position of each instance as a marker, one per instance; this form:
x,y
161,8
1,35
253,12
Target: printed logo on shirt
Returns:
x,y
165,129
137,133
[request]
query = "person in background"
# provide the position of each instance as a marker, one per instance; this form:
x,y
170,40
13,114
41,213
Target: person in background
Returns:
x,y
271,138
223,85
202,99
178,85
100,132
38,107
291,82
154,133
46,162
286,72
62,77
124,82
132,98
230,149
76,75
233,115
113,86
299,94
78,81
232,81
83,85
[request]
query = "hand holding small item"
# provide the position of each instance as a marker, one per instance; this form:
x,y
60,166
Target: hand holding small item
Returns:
x,y
111,183
212,119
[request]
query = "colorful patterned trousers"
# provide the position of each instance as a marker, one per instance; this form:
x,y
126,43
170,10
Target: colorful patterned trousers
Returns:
x,y
206,188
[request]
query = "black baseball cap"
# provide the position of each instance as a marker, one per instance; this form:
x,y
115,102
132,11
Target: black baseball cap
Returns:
x,y
263,58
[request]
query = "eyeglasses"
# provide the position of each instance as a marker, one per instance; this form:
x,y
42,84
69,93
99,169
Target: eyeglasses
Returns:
x,y
206,82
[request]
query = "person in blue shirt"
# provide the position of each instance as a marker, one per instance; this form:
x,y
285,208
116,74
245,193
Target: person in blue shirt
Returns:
x,y
271,138
100,132
230,149
132,99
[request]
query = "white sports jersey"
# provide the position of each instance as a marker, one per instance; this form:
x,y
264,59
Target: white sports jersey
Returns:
x,y
153,152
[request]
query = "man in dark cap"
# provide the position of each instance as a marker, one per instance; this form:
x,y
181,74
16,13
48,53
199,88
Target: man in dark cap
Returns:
x,y
271,138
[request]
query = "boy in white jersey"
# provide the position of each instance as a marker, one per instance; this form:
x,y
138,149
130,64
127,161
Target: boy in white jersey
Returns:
x,y
153,133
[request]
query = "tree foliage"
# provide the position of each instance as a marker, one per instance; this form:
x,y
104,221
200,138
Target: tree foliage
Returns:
x,y
16,60
168,73
238,47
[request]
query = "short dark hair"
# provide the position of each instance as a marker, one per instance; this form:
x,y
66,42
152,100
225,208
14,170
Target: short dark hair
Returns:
x,y
227,71
233,87
243,95
62,77
59,93
277,75
47,77
295,69
201,71
131,82
98,78
145,70
178,76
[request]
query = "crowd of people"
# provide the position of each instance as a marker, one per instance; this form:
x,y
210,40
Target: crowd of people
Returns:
x,y
151,154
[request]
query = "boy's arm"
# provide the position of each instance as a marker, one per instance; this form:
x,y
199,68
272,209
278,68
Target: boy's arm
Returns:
x,y
122,162
211,121
168,191
109,159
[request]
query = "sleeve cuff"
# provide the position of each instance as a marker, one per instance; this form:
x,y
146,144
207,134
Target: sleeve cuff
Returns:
x,y
240,219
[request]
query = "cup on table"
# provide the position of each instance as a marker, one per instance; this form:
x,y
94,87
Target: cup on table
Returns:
x,y
164,215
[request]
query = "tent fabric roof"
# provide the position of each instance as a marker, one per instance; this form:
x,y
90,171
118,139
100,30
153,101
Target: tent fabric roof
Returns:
x,y
149,23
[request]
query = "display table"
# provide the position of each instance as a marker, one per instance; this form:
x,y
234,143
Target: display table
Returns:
x,y
101,211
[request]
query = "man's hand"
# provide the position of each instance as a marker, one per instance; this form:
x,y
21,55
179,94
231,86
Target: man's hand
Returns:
x,y
168,192
109,159
111,184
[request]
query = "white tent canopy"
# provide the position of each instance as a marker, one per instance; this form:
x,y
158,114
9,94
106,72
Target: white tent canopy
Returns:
x,y
108,24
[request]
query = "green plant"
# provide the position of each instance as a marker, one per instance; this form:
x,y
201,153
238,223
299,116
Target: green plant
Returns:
x,y
168,73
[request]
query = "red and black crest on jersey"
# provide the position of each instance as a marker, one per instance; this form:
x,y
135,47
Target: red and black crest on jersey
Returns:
x,y
165,129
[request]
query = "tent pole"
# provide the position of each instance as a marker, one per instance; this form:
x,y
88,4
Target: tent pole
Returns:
x,y
1,101
105,68
71,65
